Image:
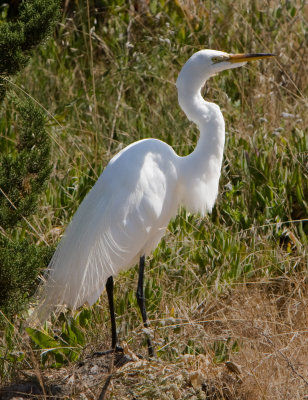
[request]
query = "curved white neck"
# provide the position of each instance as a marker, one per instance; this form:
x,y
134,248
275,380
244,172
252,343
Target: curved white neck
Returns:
x,y
209,119
201,168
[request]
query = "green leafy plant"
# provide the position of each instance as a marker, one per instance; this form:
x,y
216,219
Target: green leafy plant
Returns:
x,y
66,346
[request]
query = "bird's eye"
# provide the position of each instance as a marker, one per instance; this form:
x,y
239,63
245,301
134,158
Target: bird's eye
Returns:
x,y
219,59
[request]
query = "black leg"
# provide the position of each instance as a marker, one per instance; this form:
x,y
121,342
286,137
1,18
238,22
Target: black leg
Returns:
x,y
109,289
141,303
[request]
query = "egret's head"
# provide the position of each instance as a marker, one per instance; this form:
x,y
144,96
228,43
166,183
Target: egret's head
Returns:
x,y
206,63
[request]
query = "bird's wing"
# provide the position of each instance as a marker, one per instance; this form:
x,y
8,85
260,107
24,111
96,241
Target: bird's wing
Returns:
x,y
122,218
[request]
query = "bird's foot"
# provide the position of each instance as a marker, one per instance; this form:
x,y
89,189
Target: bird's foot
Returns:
x,y
117,349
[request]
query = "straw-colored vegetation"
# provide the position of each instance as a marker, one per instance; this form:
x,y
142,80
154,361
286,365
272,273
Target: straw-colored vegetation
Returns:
x,y
226,294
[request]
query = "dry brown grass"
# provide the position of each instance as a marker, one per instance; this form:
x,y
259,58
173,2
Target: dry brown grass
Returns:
x,y
267,320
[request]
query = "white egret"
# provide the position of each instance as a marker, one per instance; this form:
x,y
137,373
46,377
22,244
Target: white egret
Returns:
x,y
126,213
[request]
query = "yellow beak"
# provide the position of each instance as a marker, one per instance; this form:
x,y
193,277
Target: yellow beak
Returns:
x,y
237,58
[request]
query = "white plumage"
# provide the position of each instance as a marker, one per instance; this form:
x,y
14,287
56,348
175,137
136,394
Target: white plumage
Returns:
x,y
126,213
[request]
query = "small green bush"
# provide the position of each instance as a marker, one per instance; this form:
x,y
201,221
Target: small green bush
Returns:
x,y
20,262
25,152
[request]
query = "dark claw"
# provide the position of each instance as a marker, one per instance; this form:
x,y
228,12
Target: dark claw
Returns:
x,y
117,349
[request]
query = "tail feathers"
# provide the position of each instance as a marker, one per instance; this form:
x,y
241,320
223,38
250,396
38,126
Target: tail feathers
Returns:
x,y
77,275
94,247
49,301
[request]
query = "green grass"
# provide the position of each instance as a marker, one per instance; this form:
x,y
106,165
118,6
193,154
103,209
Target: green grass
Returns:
x,y
116,86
